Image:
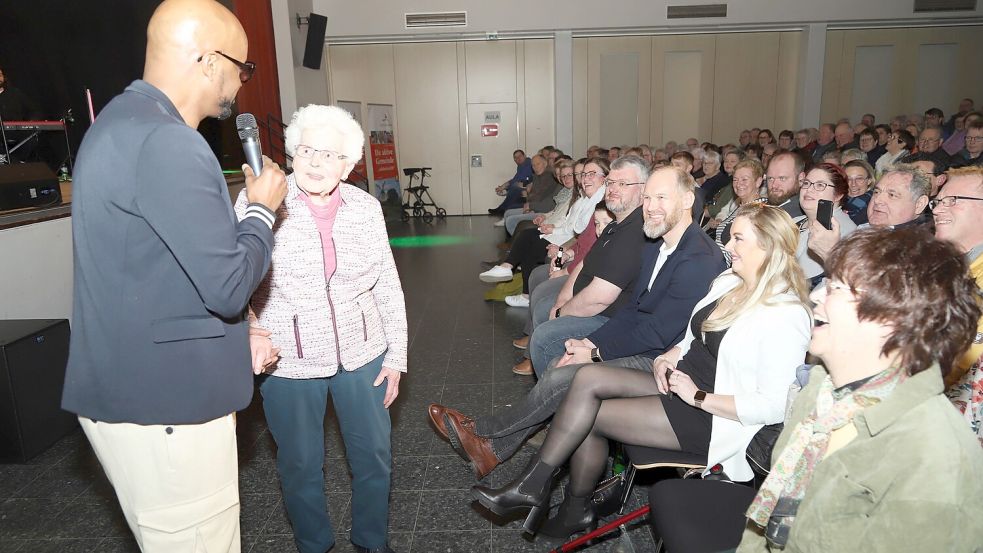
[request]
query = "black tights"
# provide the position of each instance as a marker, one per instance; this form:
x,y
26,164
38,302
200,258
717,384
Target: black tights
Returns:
x,y
605,403
528,251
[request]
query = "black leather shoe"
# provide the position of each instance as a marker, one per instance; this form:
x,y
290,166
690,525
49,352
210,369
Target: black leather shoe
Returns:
x,y
530,490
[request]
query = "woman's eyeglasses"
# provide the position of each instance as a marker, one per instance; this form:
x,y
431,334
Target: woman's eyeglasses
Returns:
x,y
818,186
321,155
246,68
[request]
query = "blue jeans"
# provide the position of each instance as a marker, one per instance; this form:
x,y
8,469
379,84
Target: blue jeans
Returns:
x,y
514,216
510,429
547,341
541,298
513,198
295,413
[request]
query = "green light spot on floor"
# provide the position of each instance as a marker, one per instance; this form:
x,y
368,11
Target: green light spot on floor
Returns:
x,y
428,241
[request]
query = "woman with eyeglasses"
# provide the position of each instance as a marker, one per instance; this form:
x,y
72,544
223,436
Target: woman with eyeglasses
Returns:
x,y
529,248
823,182
329,320
708,395
859,180
748,175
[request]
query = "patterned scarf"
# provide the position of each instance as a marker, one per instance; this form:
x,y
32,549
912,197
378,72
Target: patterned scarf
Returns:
x,y
777,501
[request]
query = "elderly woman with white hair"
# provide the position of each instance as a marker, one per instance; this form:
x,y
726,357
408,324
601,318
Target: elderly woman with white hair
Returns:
x,y
329,319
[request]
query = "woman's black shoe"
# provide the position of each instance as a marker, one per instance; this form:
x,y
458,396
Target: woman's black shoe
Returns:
x,y
530,490
575,514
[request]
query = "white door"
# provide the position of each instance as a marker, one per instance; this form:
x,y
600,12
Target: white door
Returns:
x,y
492,137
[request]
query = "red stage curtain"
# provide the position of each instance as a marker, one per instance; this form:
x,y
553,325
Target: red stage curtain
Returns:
x,y
261,95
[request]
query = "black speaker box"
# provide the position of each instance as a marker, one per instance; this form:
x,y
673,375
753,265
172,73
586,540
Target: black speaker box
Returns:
x,y
33,356
28,185
317,26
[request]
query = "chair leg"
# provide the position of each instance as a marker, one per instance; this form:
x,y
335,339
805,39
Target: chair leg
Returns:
x,y
574,544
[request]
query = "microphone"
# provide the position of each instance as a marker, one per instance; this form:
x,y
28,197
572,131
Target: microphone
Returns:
x,y
249,135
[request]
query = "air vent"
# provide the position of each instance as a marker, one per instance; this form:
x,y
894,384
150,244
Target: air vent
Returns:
x,y
697,11
944,5
436,19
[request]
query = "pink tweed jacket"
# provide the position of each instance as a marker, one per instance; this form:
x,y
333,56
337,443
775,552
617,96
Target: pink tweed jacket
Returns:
x,y
359,314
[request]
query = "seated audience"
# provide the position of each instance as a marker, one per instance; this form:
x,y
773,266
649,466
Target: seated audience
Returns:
x,y
958,211
898,123
671,148
677,268
744,139
849,155
823,182
804,145
786,140
512,188
748,176
879,392
832,156
859,177
930,143
957,141
539,196
613,153
784,174
883,132
765,137
871,446
898,200
716,180
529,247
659,155
971,154
755,151
899,143
868,119
843,135
825,142
932,165
870,147
712,391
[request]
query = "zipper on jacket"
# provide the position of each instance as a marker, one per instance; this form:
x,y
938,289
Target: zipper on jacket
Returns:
x,y
300,348
334,322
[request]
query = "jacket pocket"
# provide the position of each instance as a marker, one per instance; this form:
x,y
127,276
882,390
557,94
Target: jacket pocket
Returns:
x,y
365,329
174,329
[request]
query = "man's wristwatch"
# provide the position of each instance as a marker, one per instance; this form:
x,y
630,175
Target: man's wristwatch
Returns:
x,y
556,314
595,355
698,398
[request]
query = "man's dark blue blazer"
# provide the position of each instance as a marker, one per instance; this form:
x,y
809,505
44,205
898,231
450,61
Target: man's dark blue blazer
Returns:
x,y
656,319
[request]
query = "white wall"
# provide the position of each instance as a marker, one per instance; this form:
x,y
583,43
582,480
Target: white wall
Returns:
x,y
431,85
36,274
891,72
368,18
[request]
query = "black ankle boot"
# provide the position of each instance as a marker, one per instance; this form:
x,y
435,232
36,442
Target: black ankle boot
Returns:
x,y
575,514
530,489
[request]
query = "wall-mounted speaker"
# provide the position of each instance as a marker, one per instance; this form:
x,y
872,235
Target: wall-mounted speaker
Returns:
x,y
317,25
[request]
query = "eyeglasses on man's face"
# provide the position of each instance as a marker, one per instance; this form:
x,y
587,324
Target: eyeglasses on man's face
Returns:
x,y
950,201
246,68
307,152
619,184
973,139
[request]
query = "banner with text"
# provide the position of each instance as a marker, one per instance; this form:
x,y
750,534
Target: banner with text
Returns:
x,y
359,175
382,146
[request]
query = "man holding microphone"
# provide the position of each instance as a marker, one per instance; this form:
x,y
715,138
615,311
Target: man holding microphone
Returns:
x,y
159,355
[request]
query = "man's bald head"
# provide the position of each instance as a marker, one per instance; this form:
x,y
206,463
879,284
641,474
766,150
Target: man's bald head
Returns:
x,y
183,41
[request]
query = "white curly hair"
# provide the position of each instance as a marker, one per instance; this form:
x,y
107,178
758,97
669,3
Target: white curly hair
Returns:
x,y
319,116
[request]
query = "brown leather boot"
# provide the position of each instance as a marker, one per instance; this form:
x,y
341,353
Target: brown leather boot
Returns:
x,y
521,343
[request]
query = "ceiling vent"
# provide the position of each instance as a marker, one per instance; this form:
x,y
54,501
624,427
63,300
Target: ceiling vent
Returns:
x,y
698,11
436,19
944,5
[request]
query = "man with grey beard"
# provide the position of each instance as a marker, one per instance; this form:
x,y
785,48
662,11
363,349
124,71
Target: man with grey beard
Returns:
x,y
678,265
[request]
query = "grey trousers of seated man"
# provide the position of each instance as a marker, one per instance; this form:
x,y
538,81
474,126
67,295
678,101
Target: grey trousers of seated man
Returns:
x,y
510,429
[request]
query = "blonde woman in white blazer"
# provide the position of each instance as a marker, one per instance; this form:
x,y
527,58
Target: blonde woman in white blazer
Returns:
x,y
709,394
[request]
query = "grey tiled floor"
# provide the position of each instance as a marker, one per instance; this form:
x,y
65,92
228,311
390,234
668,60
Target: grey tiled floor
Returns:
x,y
460,354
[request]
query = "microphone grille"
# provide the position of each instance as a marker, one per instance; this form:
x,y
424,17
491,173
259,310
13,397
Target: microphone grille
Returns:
x,y
246,124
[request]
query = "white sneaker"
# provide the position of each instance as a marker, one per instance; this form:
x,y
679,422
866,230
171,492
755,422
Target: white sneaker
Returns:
x,y
496,274
499,223
518,300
